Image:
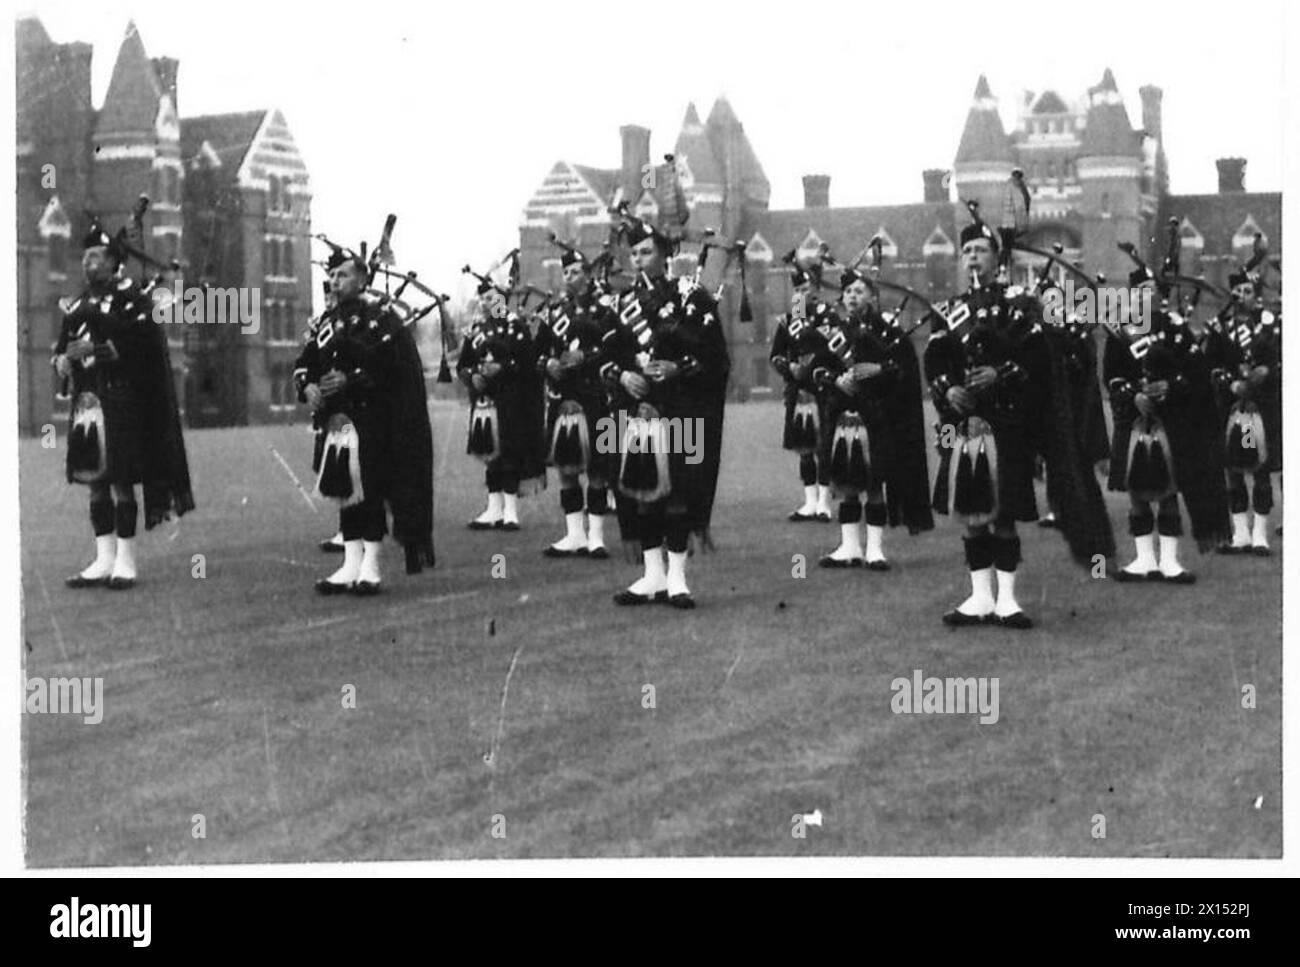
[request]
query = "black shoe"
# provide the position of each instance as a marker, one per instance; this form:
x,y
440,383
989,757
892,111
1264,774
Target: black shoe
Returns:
x,y
877,565
1231,549
1132,577
508,525
1185,577
77,581
1048,522
478,525
366,589
598,554
824,517
330,546
1262,551
626,597
835,562
553,551
958,619
327,587
683,601
796,516
1019,620
120,584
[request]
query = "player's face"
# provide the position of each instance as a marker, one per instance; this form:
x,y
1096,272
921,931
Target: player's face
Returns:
x,y
1245,293
97,265
855,296
647,258
575,277
493,303
978,256
347,281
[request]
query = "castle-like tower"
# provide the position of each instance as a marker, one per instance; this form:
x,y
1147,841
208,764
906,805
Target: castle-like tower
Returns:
x,y
230,200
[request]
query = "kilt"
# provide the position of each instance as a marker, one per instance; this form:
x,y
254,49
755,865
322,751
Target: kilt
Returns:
x,y
1014,469
123,429
594,409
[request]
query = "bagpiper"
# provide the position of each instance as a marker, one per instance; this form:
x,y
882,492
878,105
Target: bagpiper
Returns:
x,y
498,364
667,368
124,422
360,373
1245,354
571,350
1163,445
994,378
877,448
798,349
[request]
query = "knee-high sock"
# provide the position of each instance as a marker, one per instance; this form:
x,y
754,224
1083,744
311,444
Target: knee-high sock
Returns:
x,y
876,517
369,569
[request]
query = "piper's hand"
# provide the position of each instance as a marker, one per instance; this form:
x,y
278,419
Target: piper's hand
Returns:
x,y
478,382
572,359
332,382
635,384
1157,390
1240,388
111,349
980,377
959,398
1258,375
553,368
1145,404
62,366
1103,466
312,394
490,369
79,350
660,369
863,371
844,383
798,371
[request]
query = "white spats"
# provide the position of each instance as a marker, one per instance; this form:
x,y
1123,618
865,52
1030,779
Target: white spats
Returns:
x,y
510,509
124,561
1145,562
677,573
655,578
824,500
1169,565
1006,604
353,553
595,531
494,509
980,602
875,543
809,505
1241,530
1259,535
105,554
369,569
850,548
575,535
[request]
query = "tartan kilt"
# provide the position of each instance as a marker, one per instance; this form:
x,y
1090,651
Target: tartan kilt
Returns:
x,y
1015,476
594,409
124,443
826,428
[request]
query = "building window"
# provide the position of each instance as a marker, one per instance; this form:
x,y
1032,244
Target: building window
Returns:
x,y
1105,203
286,258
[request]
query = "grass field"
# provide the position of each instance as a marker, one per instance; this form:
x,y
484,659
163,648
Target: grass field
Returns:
x,y
223,694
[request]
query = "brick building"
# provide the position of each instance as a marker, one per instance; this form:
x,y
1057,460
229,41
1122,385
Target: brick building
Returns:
x,y
1096,181
230,199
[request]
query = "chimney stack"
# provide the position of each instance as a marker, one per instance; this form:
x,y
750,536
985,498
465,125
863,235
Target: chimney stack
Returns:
x,y
816,191
636,159
1152,122
936,188
1232,174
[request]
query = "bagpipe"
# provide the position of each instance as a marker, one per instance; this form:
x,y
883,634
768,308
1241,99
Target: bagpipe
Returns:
x,y
380,263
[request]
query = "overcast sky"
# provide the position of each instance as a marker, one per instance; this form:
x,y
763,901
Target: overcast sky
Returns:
x,y
451,115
